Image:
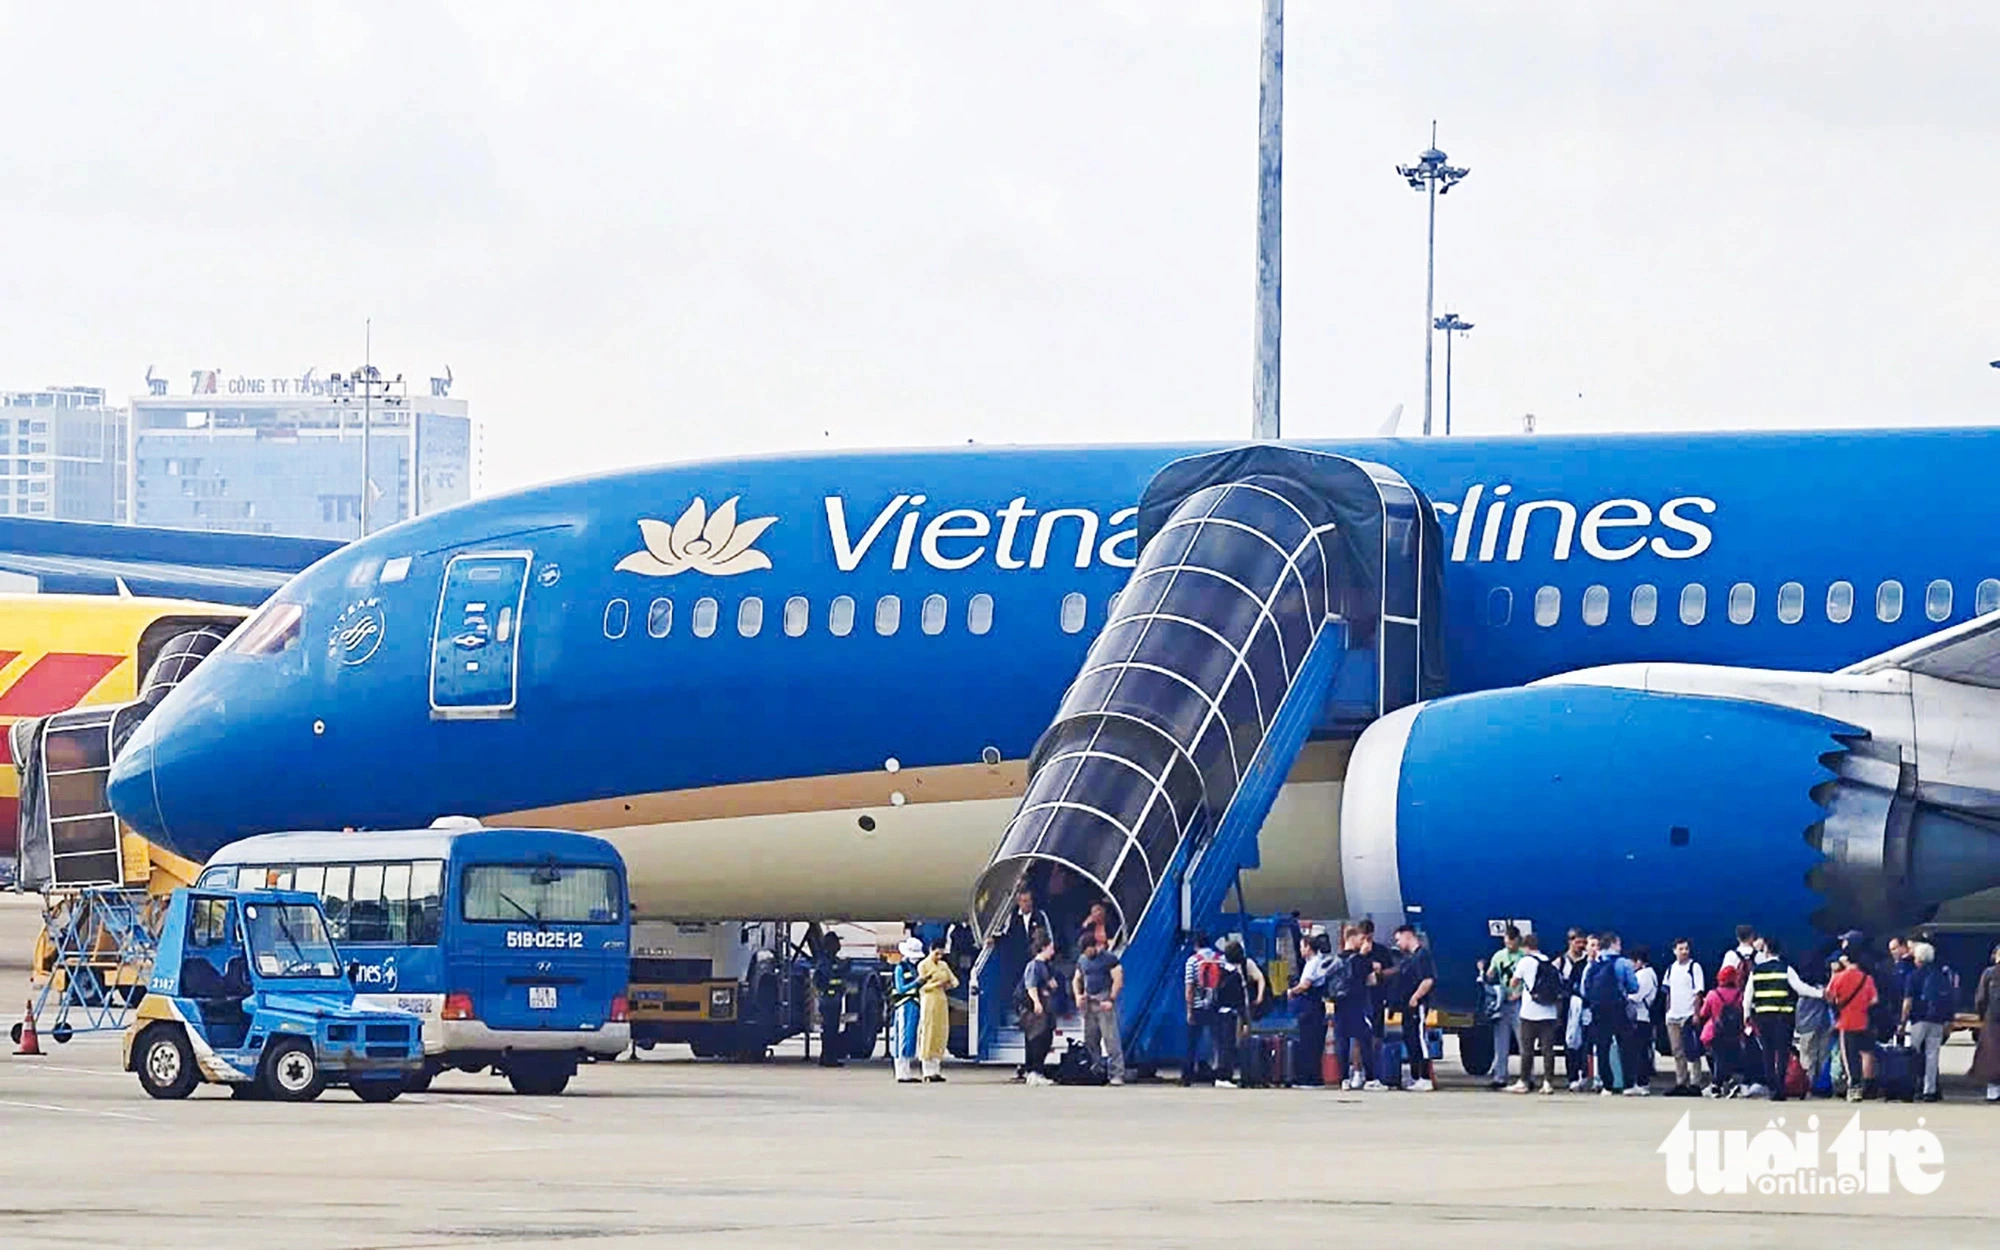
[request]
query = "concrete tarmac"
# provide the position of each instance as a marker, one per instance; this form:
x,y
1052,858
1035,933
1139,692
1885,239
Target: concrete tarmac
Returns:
x,y
784,1154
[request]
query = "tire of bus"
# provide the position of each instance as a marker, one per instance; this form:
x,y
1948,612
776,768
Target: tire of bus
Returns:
x,y
542,1075
165,1062
379,1090
291,1071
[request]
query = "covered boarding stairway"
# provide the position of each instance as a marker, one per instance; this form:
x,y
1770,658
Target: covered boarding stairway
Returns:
x,y
1279,595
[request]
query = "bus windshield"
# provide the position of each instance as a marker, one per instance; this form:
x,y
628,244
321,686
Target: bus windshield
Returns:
x,y
543,893
289,940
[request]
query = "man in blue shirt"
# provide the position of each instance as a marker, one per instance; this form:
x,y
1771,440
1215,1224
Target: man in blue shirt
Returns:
x,y
1608,986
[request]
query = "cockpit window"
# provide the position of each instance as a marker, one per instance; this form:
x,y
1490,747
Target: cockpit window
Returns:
x,y
271,631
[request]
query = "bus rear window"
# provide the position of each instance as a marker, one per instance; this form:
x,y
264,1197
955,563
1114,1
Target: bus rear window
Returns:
x,y
542,894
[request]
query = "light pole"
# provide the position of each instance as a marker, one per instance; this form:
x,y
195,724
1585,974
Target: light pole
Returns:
x,y
1270,205
368,381
1452,325
1433,177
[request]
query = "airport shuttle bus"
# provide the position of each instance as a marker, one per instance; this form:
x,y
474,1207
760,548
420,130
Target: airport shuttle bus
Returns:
x,y
512,945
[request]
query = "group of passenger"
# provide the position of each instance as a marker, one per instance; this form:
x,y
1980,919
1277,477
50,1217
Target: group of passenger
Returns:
x,y
1763,1029
1757,1027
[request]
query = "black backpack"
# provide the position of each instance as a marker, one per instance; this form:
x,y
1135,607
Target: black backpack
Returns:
x,y
1078,1066
1600,983
1549,989
1729,1024
1340,979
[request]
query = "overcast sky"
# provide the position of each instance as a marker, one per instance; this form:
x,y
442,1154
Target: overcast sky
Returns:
x,y
656,231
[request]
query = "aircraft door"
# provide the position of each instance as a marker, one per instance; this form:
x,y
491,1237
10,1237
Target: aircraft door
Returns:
x,y
476,639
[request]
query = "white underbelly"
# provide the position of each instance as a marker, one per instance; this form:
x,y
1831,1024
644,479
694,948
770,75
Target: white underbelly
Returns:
x,y
919,860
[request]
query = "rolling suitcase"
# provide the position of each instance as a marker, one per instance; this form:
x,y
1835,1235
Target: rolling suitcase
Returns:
x,y
1282,1059
1253,1059
1897,1071
1389,1058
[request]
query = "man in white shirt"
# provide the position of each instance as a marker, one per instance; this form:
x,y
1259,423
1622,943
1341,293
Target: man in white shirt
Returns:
x,y
1538,1018
1685,986
1743,954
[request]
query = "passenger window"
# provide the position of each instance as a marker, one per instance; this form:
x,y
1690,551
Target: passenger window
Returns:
x,y
840,617
798,613
426,902
1645,604
1987,597
1596,605
616,614
979,612
1791,603
706,611
1937,600
1840,602
311,877
1074,607
1548,606
1499,607
750,617
932,617
1694,603
396,901
1889,602
1742,603
335,893
888,615
660,618
367,916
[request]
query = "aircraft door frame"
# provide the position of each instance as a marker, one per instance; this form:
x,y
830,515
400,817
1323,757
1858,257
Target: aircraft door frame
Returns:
x,y
500,630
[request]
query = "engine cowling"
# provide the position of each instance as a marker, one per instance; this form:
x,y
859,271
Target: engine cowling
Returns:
x,y
1656,815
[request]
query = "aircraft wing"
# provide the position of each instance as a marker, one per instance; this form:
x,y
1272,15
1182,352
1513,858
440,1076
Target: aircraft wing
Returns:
x,y
1968,654
82,558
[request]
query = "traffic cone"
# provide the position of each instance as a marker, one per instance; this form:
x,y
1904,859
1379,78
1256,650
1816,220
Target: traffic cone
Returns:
x,y
30,1044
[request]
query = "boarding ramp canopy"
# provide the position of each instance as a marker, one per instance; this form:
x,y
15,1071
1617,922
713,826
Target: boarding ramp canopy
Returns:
x,y
1279,593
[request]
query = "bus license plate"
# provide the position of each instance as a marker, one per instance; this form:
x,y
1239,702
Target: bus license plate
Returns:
x,y
542,997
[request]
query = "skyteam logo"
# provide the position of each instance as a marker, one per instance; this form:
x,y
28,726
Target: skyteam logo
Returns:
x,y
1774,1162
357,632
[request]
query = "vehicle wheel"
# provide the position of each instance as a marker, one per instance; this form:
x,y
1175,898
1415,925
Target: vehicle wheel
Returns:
x,y
1475,1051
14,1034
165,1062
292,1072
419,1081
378,1090
703,1050
62,1033
541,1077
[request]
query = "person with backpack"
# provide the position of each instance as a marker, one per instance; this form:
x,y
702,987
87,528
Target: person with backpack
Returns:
x,y
1574,960
1499,977
1685,986
1542,991
1743,954
1201,976
1851,993
1720,1020
1230,1013
1037,1005
1639,1037
1309,1005
1415,978
1353,1029
1931,1003
1608,986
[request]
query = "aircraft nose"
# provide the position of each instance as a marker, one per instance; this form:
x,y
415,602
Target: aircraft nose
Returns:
x,y
131,788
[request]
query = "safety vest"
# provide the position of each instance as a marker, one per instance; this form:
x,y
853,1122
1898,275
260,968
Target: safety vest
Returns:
x,y
1771,992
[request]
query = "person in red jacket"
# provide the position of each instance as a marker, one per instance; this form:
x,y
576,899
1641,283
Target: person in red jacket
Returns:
x,y
1721,1021
1851,993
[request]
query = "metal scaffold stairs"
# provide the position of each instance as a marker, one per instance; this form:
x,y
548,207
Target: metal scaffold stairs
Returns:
x,y
100,944
1279,595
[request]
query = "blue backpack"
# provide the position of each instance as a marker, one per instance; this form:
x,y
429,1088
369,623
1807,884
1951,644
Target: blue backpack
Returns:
x,y
1600,983
1341,982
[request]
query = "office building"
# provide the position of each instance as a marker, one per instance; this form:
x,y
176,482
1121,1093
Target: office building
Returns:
x,y
62,455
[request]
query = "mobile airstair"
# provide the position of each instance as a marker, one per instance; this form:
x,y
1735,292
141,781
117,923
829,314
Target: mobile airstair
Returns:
x,y
1280,594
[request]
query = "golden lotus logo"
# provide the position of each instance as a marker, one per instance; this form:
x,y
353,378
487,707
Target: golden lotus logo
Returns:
x,y
707,542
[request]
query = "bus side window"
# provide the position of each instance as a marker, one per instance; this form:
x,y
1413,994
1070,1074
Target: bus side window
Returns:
x,y
396,901
426,902
367,918
335,894
311,877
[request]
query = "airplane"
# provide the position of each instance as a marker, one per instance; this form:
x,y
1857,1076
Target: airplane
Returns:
x,y
1671,683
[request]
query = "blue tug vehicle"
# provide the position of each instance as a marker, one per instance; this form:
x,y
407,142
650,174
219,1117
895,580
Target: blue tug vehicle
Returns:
x,y
248,990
